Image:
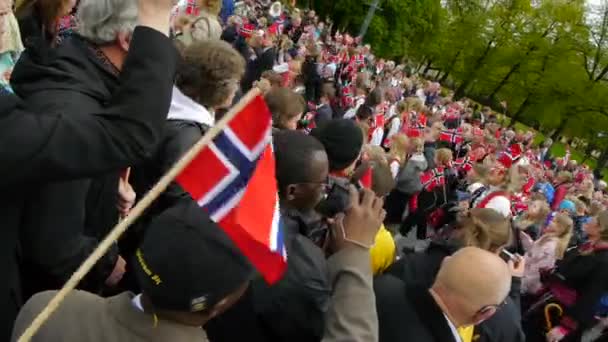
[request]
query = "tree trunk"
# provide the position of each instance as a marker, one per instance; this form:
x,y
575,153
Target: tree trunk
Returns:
x,y
450,67
560,129
419,66
444,77
515,117
461,90
602,161
504,80
428,67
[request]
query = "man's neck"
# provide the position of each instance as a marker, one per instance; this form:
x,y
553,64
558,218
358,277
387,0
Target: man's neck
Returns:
x,y
115,55
444,308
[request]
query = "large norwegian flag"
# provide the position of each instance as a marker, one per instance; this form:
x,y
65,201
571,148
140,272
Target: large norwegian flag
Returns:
x,y
233,178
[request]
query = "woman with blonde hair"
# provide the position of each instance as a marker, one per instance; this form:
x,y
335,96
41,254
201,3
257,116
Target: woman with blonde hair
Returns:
x,y
533,219
408,183
544,252
502,180
398,152
481,228
577,284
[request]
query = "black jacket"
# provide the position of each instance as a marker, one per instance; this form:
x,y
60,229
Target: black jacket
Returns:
x,y
255,67
292,310
421,268
408,313
586,274
64,221
179,137
324,115
61,147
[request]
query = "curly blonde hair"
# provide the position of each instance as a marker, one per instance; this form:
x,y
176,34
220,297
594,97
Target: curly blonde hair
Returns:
x,y
210,72
486,229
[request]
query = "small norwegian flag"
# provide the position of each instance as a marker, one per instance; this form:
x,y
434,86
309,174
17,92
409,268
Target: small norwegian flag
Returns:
x,y
432,179
233,179
451,136
463,164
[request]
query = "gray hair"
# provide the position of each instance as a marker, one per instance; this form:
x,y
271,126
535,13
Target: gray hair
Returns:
x,y
101,21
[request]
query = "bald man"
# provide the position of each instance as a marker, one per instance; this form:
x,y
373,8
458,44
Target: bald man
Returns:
x,y
470,286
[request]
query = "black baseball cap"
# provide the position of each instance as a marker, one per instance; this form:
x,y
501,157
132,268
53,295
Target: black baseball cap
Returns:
x,y
186,262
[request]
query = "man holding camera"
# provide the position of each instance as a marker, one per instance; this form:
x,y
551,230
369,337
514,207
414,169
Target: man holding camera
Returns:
x,y
311,299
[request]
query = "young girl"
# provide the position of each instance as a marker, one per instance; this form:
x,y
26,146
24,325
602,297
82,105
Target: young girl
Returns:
x,y
532,220
398,153
543,253
408,183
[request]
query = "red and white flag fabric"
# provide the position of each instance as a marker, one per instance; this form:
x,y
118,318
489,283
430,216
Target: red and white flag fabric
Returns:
x,y
463,164
432,179
451,136
233,179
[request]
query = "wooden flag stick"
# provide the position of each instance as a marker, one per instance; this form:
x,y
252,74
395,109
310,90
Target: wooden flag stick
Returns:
x,y
135,213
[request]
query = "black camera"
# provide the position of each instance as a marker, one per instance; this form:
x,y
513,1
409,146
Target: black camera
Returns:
x,y
337,199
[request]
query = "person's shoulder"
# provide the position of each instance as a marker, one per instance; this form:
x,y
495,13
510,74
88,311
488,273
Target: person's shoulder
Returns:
x,y
35,305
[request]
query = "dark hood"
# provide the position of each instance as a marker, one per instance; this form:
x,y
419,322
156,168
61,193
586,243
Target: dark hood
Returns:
x,y
73,66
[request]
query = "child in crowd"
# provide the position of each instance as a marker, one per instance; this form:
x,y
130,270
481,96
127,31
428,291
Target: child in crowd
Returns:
x,y
532,221
543,253
398,153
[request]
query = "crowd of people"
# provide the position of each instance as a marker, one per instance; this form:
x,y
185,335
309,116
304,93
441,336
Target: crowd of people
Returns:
x,y
408,215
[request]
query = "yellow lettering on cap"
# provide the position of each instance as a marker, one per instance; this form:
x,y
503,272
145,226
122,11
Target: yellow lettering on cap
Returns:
x,y
144,266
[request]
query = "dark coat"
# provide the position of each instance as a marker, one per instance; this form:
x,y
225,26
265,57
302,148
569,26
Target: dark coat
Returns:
x,y
586,274
64,221
255,67
292,310
179,137
56,145
429,154
324,114
408,313
421,268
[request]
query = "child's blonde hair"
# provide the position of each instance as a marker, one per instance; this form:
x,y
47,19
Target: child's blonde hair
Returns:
x,y
375,154
565,224
443,156
399,146
417,145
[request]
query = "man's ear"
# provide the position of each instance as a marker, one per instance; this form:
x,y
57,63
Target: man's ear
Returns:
x,y
484,314
292,189
124,40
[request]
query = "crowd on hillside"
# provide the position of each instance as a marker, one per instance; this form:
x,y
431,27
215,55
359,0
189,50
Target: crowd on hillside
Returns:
x,y
407,215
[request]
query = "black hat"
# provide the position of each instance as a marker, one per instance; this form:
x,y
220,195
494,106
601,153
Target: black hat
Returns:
x,y
186,262
343,141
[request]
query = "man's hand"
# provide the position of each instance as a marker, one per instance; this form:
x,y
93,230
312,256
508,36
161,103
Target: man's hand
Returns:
x,y
358,227
118,272
126,197
155,14
517,267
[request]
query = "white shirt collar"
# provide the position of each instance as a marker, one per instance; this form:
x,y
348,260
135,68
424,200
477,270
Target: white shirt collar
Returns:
x,y
184,108
136,301
453,329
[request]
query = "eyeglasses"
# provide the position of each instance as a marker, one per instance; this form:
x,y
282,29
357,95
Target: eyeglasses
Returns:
x,y
324,183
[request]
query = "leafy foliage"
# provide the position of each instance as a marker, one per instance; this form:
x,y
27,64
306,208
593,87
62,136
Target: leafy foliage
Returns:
x,y
548,59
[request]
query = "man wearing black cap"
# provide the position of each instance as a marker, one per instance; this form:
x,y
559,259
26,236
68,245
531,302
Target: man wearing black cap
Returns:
x,y
293,309
312,300
343,141
189,272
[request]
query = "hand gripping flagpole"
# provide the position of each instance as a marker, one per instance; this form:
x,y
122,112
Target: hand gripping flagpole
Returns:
x,y
135,213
